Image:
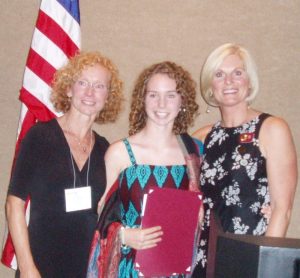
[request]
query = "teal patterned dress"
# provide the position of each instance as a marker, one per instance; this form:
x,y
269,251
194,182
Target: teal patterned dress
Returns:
x,y
133,183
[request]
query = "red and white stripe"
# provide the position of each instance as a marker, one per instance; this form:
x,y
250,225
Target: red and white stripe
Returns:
x,y
56,37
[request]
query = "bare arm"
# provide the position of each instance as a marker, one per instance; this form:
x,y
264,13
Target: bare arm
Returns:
x,y
19,233
201,133
116,160
277,145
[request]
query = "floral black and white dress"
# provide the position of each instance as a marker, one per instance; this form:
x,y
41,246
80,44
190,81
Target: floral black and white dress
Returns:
x,y
234,182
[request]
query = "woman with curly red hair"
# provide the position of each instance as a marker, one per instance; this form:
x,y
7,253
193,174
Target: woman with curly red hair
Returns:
x,y
163,107
61,167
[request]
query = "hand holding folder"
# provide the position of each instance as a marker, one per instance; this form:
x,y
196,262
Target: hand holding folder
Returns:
x,y
176,211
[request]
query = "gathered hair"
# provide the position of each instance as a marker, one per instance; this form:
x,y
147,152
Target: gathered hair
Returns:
x,y
65,78
185,86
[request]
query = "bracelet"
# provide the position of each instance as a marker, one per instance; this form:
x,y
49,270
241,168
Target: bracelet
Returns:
x,y
122,236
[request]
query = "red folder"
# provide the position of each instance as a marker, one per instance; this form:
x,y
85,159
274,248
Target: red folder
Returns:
x,y
176,211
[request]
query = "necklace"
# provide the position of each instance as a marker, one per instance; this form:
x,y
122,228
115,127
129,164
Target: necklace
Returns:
x,y
83,147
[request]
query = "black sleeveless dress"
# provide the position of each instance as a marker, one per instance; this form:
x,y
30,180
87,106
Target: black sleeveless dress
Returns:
x,y
234,182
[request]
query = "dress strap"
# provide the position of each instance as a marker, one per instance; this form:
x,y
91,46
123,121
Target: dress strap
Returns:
x,y
192,158
199,145
261,118
130,152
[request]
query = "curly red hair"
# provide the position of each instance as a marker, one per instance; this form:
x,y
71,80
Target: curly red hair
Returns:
x,y
65,77
185,86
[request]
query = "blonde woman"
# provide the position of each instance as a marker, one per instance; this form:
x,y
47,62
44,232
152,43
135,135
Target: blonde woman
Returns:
x,y
249,156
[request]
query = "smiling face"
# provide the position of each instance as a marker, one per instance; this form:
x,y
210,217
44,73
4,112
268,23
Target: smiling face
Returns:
x,y
89,92
162,102
230,83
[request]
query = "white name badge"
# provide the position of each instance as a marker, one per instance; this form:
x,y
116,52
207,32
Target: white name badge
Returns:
x,y
78,198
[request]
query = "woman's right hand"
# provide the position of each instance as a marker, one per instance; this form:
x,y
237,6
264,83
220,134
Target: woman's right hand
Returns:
x,y
138,238
19,233
31,272
267,212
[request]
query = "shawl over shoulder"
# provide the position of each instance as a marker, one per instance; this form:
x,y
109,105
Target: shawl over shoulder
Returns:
x,y
106,245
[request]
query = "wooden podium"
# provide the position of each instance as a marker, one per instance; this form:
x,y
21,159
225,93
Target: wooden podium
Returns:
x,y
246,256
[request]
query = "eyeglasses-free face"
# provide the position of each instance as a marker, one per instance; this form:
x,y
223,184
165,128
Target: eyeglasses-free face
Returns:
x,y
236,74
230,82
162,102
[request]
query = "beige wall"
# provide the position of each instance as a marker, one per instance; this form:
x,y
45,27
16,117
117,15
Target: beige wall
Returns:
x,y
137,33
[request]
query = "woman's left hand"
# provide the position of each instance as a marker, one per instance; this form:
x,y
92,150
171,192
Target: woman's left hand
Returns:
x,y
138,238
201,215
266,211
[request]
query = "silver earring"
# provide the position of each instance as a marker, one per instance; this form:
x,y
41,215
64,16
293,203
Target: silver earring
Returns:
x,y
208,106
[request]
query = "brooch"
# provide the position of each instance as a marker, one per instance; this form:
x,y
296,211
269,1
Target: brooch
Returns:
x,y
246,137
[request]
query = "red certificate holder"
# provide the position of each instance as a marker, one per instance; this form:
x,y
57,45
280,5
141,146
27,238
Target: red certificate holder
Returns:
x,y
176,211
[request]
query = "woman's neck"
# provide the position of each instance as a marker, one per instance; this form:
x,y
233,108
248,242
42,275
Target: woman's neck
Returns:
x,y
159,137
80,126
236,116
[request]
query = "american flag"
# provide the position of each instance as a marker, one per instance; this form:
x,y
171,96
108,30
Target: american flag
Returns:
x,y
56,38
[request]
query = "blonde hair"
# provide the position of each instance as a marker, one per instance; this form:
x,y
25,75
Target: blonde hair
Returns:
x,y
65,77
213,62
185,86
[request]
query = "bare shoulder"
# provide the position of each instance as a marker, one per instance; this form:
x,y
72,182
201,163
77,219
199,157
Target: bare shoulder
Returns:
x,y
275,126
114,149
275,135
202,132
117,155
